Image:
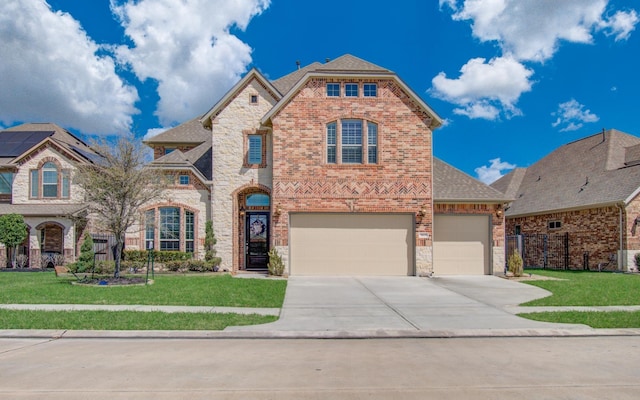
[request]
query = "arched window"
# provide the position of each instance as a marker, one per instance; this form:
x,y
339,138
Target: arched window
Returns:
x,y
257,200
49,182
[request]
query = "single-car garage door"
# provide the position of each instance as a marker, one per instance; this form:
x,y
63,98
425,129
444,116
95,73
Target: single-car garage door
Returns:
x,y
461,244
351,244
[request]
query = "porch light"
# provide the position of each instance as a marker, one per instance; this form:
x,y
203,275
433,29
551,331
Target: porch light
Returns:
x,y
277,211
242,210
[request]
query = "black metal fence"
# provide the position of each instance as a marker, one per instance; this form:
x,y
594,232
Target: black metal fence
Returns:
x,y
540,250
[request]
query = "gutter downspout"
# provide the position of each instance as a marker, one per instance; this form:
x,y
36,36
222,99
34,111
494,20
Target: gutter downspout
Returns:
x,y
622,230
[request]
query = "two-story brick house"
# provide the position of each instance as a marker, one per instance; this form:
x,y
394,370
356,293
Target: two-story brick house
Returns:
x,y
36,167
333,166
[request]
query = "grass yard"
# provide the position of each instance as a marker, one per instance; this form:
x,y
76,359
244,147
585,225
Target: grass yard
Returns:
x,y
612,319
578,288
125,320
186,290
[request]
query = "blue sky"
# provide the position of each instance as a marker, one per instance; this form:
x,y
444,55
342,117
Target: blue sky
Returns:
x,y
513,79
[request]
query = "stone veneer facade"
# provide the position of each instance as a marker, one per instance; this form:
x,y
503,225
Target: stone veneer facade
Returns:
x,y
232,177
400,182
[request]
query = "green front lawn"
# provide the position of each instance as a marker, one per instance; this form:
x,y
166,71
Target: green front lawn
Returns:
x,y
125,320
187,290
578,288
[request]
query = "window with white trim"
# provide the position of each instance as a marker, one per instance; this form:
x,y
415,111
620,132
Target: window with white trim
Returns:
x,y
333,90
331,143
372,143
351,90
370,90
352,141
50,182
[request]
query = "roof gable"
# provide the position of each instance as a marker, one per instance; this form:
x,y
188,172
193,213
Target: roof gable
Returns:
x,y
346,66
234,91
190,132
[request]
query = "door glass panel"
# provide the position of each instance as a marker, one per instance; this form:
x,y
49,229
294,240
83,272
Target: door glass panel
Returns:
x,y
258,240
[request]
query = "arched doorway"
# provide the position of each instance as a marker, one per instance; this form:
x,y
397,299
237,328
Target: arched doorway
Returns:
x,y
254,229
51,242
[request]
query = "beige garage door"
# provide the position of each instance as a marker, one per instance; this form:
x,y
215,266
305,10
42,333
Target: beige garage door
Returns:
x,y
461,245
351,244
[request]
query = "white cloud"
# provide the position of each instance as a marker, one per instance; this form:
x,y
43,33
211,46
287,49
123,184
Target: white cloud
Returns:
x,y
525,31
493,172
621,24
187,47
483,86
154,132
571,115
50,72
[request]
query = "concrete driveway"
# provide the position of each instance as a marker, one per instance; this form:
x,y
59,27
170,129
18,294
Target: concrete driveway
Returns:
x,y
401,304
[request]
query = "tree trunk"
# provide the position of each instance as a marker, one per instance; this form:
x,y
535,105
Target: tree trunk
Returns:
x,y
118,255
14,256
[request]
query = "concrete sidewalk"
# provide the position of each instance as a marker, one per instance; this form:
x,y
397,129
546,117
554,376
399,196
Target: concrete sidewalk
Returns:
x,y
141,308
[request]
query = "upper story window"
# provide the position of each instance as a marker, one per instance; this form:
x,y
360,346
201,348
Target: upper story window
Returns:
x,y
370,90
184,179
6,182
352,141
331,142
372,143
49,182
351,90
253,99
333,89
255,149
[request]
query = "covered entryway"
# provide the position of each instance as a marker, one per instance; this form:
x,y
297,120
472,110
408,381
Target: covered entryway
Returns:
x,y
351,244
461,244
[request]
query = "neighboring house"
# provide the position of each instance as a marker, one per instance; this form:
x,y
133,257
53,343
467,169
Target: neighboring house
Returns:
x,y
176,222
581,203
332,165
36,167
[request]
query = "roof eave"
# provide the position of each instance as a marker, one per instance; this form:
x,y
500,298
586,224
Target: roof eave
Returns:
x,y
567,209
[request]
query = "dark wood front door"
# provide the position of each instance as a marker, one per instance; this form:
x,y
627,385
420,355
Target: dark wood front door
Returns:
x,y
257,240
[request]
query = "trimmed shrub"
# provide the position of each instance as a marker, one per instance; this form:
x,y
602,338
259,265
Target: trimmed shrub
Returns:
x,y
275,266
158,256
515,264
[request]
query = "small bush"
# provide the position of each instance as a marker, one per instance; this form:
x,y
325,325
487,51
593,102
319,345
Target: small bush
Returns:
x,y
132,266
105,267
175,266
275,266
158,256
515,264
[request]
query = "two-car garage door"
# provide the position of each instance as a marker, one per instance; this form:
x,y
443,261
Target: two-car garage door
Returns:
x,y
383,244
351,244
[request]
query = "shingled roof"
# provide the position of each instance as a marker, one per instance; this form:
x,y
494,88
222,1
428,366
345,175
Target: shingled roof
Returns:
x,y
598,170
189,132
452,185
346,64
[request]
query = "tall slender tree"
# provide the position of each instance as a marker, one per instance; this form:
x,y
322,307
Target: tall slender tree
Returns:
x,y
13,231
115,187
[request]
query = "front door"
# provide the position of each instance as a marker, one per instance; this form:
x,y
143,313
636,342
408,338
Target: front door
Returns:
x,y
257,240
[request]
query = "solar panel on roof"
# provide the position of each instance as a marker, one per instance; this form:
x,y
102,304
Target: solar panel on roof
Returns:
x,y
14,143
93,157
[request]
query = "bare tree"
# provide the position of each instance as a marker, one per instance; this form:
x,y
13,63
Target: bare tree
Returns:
x,y
115,187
